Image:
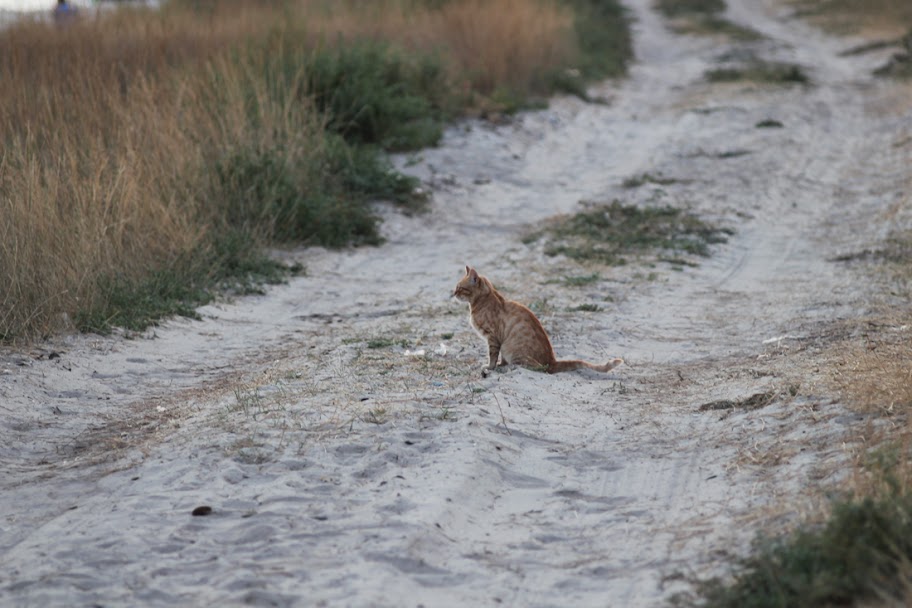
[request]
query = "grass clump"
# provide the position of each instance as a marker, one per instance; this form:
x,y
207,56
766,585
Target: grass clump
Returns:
x,y
603,38
760,71
579,281
586,308
863,552
647,178
676,8
611,233
375,343
373,94
704,17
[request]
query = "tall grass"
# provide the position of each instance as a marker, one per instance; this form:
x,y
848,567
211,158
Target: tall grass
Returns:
x,y
148,156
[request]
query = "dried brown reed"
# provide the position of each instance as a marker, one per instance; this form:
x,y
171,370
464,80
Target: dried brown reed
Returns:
x,y
487,45
109,126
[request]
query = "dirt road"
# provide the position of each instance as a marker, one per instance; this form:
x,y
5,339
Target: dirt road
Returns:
x,y
339,427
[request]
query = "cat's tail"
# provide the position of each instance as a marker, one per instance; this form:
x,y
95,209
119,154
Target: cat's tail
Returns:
x,y
572,364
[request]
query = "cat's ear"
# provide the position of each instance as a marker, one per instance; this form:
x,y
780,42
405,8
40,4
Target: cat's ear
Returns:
x,y
468,270
473,276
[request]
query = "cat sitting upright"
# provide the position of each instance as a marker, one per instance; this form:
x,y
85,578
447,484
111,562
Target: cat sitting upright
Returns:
x,y
514,333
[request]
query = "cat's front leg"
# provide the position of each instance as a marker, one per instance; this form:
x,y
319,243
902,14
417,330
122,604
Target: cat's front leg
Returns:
x,y
493,355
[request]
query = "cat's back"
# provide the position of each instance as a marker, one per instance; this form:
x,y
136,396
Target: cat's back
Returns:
x,y
525,339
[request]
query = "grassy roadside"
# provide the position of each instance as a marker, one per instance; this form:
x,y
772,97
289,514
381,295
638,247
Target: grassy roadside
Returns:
x,y
149,158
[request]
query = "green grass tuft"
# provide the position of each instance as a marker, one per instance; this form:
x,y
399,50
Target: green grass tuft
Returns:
x,y
603,37
676,8
864,551
586,308
761,71
374,94
610,233
579,281
647,178
386,342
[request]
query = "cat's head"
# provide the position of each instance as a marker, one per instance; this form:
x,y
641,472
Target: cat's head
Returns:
x,y
471,285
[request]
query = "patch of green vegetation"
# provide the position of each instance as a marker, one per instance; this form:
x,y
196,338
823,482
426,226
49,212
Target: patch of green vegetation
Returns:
x,y
374,94
717,25
769,123
702,17
386,342
232,265
605,44
586,308
677,263
761,71
732,153
862,552
136,304
610,233
579,281
447,336
541,306
677,8
647,178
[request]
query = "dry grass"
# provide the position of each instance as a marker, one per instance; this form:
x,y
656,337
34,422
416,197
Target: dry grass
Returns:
x,y
877,376
870,18
110,127
488,45
100,145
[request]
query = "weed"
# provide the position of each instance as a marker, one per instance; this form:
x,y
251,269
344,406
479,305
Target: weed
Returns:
x,y
675,8
586,308
603,38
703,17
376,95
609,233
677,263
863,551
541,306
755,401
769,123
732,153
135,303
715,25
386,342
760,71
647,178
377,415
579,281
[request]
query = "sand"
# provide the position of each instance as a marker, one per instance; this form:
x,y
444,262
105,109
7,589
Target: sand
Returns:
x,y
340,432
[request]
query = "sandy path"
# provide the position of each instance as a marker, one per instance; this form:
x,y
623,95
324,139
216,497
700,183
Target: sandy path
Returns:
x,y
341,474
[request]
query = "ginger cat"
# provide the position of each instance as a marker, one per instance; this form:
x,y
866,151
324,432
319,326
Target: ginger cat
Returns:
x,y
513,331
